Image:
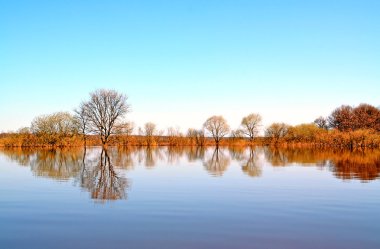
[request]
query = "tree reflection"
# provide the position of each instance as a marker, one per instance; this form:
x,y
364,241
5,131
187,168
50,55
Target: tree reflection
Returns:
x,y
217,164
345,164
238,153
94,172
252,167
97,171
174,154
20,155
275,156
101,180
57,164
122,157
364,166
195,153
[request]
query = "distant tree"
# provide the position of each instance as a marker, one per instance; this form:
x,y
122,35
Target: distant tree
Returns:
x,y
124,131
218,128
24,130
103,110
124,128
150,131
341,118
192,134
196,135
236,134
366,117
54,127
304,133
321,122
250,125
277,131
82,119
347,118
174,135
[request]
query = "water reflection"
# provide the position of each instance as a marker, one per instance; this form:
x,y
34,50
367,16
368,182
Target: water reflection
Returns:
x,y
360,164
195,153
217,164
101,172
252,165
100,178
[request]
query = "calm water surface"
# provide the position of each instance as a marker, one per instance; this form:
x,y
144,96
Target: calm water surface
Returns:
x,y
189,198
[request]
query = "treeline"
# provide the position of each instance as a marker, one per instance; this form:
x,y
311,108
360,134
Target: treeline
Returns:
x,y
346,126
101,121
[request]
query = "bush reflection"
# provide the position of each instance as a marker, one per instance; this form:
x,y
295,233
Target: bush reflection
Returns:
x,y
101,172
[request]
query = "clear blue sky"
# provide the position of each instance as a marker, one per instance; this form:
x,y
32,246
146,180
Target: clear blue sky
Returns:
x,y
183,61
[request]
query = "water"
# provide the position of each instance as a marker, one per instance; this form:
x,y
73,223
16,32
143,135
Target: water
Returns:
x,y
189,198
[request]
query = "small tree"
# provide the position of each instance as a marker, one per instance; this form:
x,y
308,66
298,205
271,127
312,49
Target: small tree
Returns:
x,y
277,131
250,125
150,131
217,126
341,118
237,134
82,122
321,122
196,135
54,127
124,130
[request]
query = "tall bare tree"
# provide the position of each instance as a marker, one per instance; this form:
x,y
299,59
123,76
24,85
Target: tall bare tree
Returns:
x,y
250,125
103,110
218,128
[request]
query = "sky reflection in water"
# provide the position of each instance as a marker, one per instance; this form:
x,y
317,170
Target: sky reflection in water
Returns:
x,y
189,197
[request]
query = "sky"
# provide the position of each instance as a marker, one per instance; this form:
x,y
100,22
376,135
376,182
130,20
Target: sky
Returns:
x,y
180,62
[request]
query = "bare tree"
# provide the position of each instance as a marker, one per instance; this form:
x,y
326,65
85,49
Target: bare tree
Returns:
x,y
277,131
196,135
54,127
104,109
250,125
237,134
125,128
124,131
174,136
218,127
150,131
82,122
321,122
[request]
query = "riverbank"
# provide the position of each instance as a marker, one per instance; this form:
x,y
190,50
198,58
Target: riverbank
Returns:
x,y
315,137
